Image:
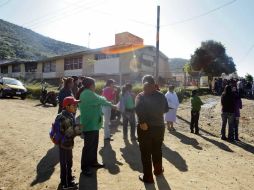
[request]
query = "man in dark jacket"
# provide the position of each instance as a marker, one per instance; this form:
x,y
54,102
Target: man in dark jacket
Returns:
x,y
65,92
150,108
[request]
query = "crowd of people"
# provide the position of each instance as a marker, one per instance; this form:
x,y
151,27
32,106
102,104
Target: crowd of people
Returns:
x,y
151,108
245,88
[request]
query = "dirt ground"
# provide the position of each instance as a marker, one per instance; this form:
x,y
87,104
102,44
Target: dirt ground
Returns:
x,y
28,159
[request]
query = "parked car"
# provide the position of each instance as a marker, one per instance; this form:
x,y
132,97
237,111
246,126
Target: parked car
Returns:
x,y
12,87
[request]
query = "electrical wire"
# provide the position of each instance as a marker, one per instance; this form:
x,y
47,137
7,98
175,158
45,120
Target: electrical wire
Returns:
x,y
247,53
64,12
5,3
200,15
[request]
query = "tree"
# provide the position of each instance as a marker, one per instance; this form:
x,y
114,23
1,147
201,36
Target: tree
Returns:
x,y
187,68
249,77
211,58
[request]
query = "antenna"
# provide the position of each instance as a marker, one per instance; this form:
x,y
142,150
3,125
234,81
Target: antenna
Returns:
x,y
88,44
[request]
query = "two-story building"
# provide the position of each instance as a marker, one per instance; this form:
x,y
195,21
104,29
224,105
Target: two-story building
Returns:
x,y
128,60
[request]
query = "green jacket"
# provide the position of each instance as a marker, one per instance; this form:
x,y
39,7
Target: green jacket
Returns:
x,y
90,110
196,103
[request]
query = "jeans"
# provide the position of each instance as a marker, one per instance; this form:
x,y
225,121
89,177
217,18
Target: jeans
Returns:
x,y
65,157
107,114
227,118
194,121
150,143
129,117
236,124
89,152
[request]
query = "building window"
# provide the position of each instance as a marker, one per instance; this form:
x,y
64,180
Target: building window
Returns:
x,y
4,69
73,63
31,67
16,68
105,56
49,67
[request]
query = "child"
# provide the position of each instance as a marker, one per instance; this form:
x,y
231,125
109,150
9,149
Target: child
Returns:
x,y
196,104
69,130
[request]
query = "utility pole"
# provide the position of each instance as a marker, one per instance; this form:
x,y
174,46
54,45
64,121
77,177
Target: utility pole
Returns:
x,y
157,44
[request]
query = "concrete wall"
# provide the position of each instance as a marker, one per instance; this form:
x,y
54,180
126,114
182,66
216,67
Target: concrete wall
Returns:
x,y
127,38
60,68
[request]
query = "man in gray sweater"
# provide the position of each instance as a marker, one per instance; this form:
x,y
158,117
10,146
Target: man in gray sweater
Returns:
x,y
150,108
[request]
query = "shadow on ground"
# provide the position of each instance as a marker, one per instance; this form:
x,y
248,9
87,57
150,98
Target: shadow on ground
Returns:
x,y
245,146
109,158
187,140
220,145
174,158
131,155
89,183
46,166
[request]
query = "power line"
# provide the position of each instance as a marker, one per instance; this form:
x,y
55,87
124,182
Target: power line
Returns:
x,y
129,19
247,53
78,9
5,3
200,15
63,11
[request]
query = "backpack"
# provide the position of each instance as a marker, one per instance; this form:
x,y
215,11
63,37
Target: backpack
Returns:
x,y
55,134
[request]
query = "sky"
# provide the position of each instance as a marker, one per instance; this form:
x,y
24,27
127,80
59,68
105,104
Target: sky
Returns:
x,y
184,23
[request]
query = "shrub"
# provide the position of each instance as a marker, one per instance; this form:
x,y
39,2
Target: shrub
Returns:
x,y
99,85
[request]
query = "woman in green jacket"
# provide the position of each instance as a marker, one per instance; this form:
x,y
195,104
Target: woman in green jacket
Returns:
x,y
91,120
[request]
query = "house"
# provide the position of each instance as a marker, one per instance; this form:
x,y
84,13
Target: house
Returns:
x,y
125,61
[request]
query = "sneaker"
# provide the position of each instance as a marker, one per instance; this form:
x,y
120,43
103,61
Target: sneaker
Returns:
x,y
71,186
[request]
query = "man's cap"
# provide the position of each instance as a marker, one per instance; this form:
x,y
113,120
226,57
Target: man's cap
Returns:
x,y
70,101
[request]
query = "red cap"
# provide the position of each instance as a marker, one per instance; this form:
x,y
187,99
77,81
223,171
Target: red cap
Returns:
x,y
70,101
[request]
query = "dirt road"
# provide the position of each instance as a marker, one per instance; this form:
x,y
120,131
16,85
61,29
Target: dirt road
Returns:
x,y
28,159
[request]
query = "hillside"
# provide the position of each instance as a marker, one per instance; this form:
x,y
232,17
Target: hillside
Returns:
x,y
21,43
176,64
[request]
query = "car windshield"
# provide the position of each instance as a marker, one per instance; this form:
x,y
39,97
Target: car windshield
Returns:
x,y
12,82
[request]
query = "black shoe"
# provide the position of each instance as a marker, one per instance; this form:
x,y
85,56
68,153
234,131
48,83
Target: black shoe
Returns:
x,y
87,173
141,178
71,186
223,138
238,140
231,140
192,131
98,165
108,139
197,133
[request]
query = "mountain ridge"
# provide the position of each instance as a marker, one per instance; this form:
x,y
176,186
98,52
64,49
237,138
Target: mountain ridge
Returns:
x,y
17,42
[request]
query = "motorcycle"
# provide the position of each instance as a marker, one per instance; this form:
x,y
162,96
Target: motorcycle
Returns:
x,y
47,97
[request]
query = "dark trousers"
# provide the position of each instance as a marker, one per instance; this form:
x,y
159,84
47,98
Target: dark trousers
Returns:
x,y
194,121
227,118
65,156
150,143
89,152
129,117
236,124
